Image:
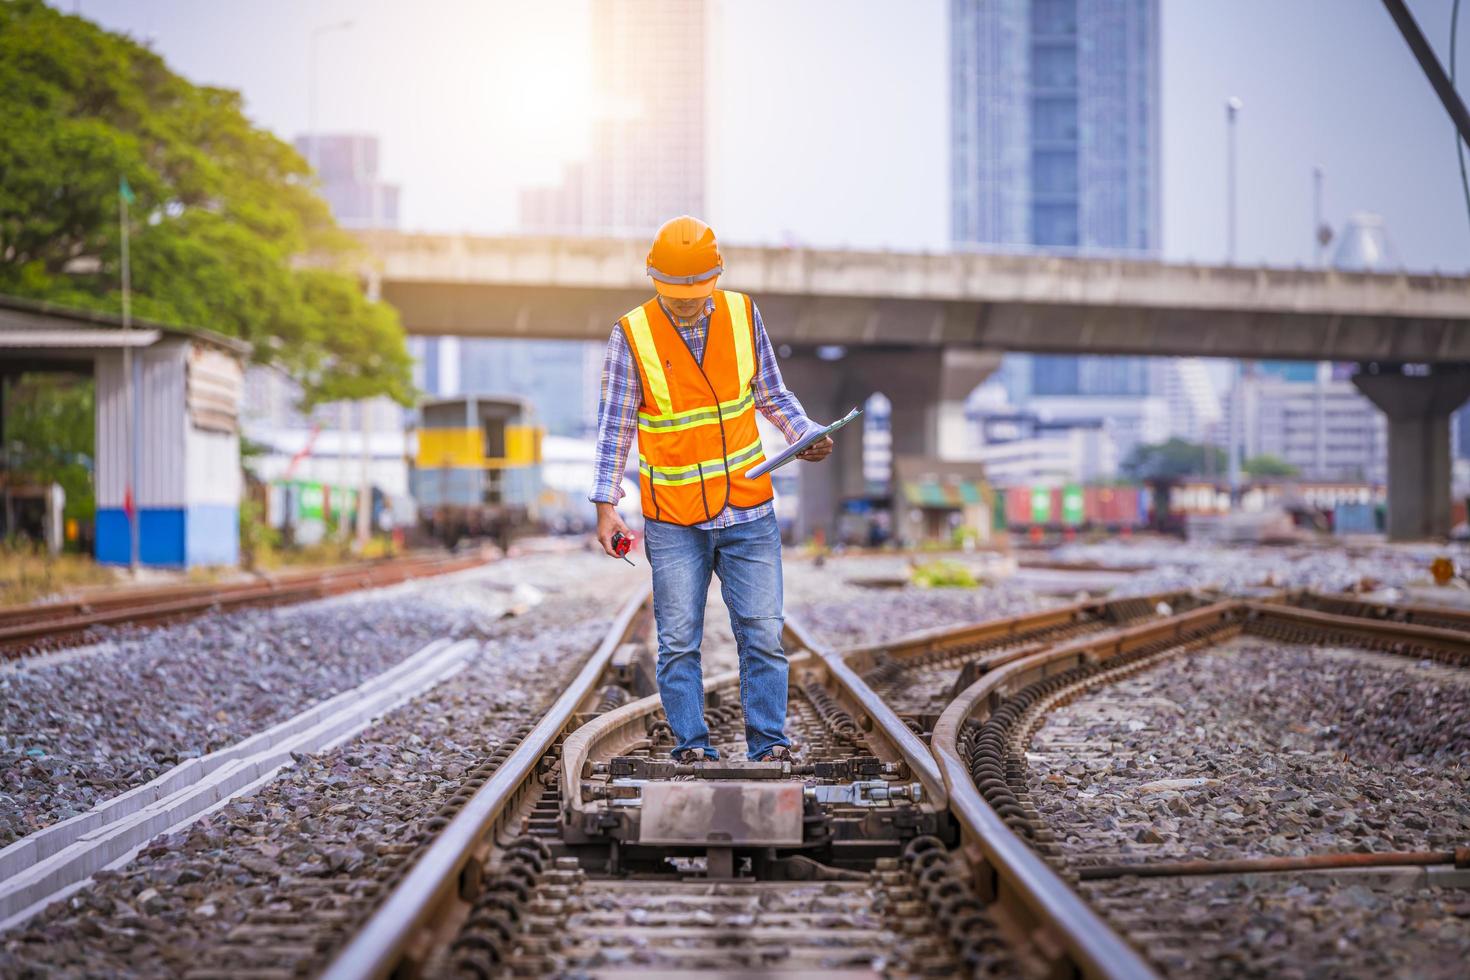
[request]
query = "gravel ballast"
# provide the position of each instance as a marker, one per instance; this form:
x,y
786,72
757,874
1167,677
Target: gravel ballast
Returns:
x,y
308,847
1164,565
840,612
86,725
1258,748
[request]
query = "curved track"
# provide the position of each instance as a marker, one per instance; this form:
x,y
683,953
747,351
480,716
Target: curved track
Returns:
x,y
588,851
983,739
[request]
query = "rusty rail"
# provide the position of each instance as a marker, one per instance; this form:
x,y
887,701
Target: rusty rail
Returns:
x,y
52,625
991,815
448,868
1459,857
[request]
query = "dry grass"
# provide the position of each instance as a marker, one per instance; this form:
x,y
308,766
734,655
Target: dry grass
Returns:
x,y
27,575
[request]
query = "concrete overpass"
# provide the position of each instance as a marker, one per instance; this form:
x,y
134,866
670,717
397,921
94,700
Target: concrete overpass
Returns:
x,y
914,324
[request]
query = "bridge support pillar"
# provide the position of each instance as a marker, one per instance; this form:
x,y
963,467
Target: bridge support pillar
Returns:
x,y
1418,407
927,389
819,385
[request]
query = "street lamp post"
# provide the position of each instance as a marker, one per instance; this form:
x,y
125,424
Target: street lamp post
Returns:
x,y
314,158
1233,106
311,133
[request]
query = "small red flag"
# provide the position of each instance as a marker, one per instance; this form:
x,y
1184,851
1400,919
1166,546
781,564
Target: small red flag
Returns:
x,y
128,502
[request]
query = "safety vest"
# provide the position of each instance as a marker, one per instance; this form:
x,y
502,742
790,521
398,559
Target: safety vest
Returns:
x,y
696,423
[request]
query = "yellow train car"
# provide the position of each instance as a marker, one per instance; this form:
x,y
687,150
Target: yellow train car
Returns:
x,y
476,467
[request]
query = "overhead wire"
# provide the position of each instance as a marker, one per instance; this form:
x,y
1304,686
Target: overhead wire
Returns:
x,y
1459,140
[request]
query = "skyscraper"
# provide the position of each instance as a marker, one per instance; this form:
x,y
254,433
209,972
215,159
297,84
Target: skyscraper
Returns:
x,y
647,157
1055,143
1055,113
347,164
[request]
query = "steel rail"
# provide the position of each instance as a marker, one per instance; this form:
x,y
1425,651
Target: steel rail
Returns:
x,y
1093,947
1021,875
627,722
385,939
920,762
1452,640
1359,607
132,597
37,625
1022,626
1459,857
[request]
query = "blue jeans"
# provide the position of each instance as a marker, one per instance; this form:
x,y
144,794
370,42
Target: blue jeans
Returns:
x,y
747,557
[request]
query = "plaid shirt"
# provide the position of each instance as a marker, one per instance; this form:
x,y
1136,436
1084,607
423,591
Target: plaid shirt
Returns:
x,y
622,393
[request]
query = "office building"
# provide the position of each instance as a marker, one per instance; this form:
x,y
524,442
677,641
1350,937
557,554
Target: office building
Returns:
x,y
1195,413
1054,109
347,165
1324,428
1055,123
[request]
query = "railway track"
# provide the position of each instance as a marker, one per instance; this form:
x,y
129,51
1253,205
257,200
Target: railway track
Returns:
x,y
903,839
49,626
918,676
587,851
984,739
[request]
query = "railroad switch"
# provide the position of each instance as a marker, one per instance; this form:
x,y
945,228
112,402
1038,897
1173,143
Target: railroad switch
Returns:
x,y
841,770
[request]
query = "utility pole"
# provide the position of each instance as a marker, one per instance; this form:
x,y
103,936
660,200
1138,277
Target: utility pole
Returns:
x,y
1233,106
313,157
130,501
311,133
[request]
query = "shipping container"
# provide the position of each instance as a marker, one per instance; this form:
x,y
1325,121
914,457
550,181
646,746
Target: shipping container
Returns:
x,y
1018,506
1354,519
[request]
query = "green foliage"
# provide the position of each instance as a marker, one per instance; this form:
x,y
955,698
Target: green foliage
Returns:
x,y
1267,465
257,538
1172,460
49,428
223,211
943,575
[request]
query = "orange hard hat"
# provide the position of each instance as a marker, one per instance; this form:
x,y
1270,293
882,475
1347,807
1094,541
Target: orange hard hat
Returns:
x,y
684,261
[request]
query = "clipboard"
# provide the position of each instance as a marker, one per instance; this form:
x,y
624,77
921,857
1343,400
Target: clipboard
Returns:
x,y
789,453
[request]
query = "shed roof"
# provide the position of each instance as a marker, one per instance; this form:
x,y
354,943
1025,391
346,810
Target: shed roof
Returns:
x,y
37,325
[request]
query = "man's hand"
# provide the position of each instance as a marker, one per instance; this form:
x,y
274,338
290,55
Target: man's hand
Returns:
x,y
817,451
608,524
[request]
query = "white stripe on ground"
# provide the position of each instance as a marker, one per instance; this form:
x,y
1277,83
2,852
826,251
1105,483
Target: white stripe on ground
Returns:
x,y
39,866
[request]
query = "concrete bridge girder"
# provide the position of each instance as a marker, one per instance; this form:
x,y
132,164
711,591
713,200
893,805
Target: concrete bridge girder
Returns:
x,y
573,287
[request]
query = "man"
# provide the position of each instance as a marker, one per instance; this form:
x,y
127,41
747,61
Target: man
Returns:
x,y
687,371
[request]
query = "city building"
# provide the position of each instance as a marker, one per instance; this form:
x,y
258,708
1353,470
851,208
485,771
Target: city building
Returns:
x,y
1184,383
1324,428
1309,413
347,165
1054,108
1021,448
646,161
1055,123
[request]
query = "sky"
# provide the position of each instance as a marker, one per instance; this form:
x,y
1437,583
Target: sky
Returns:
x,y
829,118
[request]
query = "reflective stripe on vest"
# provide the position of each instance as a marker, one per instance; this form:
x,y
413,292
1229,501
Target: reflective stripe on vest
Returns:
x,y
701,470
666,418
643,341
697,432
675,421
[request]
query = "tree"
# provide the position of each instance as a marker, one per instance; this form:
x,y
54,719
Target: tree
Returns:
x,y
1173,460
49,425
1266,465
223,216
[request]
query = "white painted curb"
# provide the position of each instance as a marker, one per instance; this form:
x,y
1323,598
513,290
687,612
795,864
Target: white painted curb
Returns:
x,y
41,865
